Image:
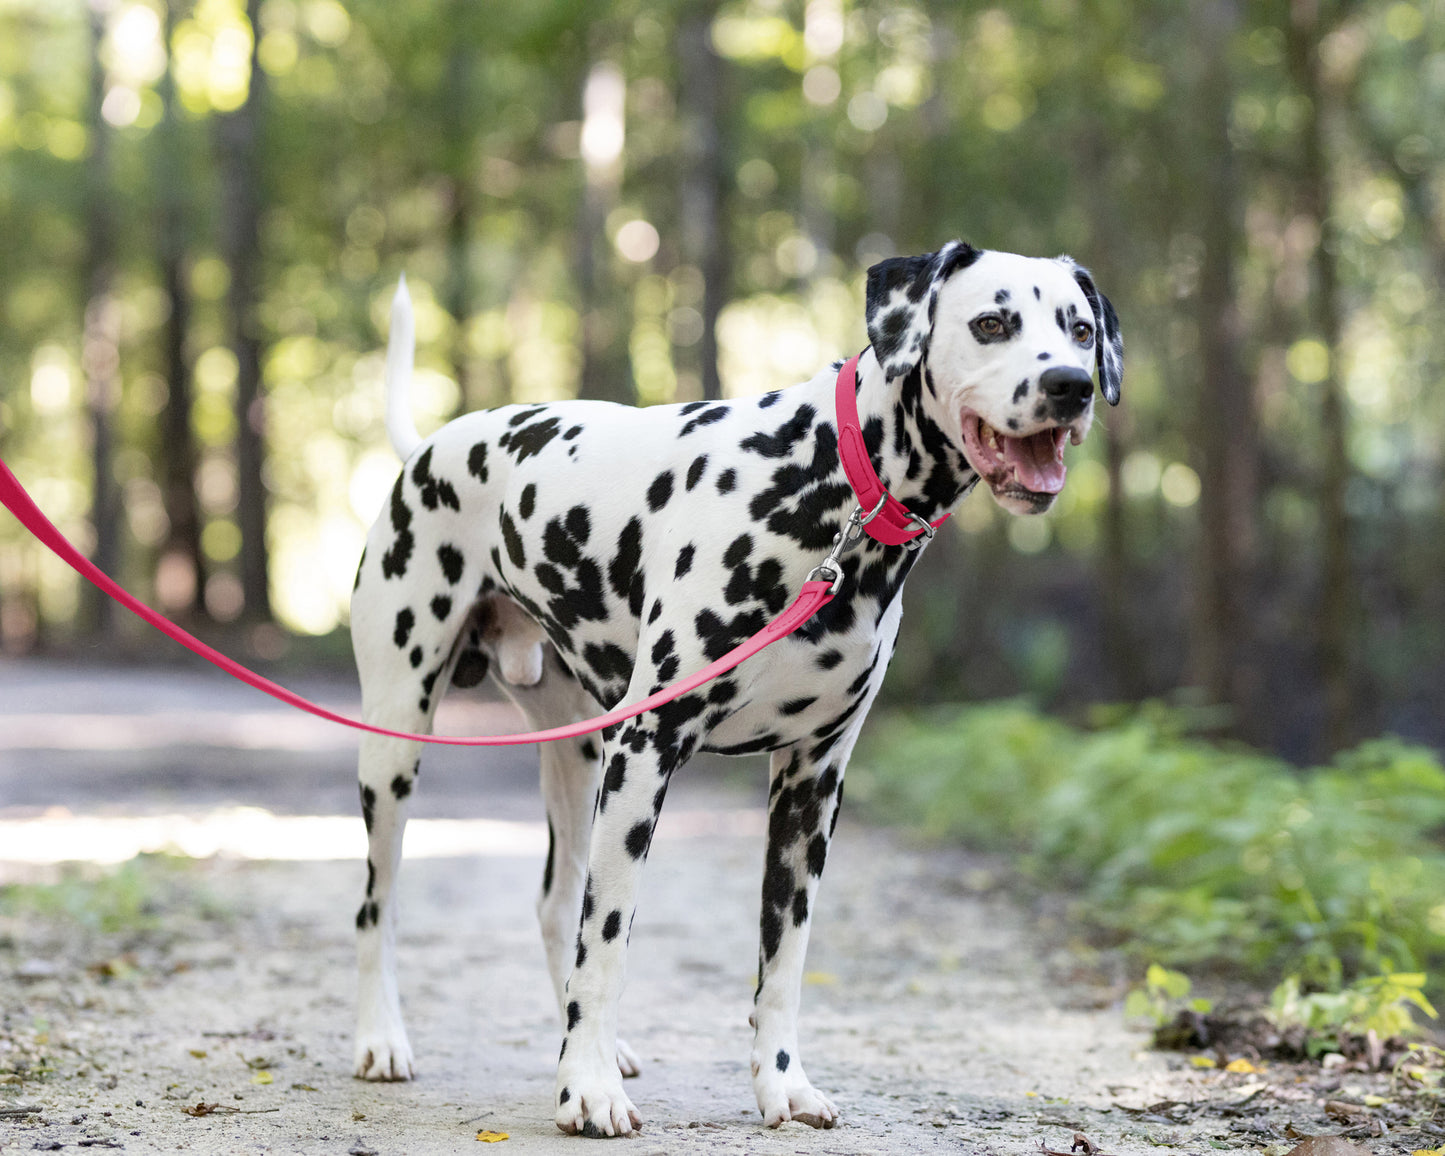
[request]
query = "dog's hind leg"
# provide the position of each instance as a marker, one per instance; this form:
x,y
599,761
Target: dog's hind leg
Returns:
x,y
404,658
571,771
388,769
805,790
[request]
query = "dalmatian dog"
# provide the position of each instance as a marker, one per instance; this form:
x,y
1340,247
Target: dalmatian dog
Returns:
x,y
587,554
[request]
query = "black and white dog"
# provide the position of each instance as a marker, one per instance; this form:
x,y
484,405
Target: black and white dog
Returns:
x,y
590,554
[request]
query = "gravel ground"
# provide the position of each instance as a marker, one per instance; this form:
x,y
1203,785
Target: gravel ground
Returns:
x,y
940,1012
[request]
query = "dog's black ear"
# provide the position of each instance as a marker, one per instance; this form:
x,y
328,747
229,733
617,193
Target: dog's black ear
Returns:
x,y
1109,344
902,295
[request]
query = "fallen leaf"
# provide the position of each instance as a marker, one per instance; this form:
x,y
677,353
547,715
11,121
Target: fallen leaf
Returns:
x,y
1374,1101
200,1109
491,1137
1203,1061
1240,1065
819,978
1440,1151
199,1053
302,1088
262,1077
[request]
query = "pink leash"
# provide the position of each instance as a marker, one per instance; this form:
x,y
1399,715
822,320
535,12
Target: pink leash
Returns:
x,y
818,590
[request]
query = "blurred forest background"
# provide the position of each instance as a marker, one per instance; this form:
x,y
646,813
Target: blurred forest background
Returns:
x,y
205,204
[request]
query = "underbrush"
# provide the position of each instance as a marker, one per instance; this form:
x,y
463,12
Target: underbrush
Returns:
x,y
1191,853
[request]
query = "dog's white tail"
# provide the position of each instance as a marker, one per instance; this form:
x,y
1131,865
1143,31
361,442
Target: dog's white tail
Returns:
x,y
400,355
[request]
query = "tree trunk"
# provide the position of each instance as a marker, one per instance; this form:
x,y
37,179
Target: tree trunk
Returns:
x,y
1226,426
241,190
1339,597
100,349
605,367
704,180
459,124
178,444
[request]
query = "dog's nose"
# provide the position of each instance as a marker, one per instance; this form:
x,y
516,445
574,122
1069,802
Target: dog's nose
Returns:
x,y
1066,385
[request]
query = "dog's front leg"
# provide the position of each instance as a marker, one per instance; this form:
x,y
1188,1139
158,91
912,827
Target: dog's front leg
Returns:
x,y
388,771
637,759
805,790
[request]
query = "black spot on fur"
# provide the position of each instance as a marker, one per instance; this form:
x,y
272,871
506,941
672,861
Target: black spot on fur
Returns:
x,y
611,925
588,749
782,1060
639,838
574,1013
367,916
784,439
817,854
477,462
684,560
797,705
401,786
551,854
441,606
613,780
579,524
1021,390
707,417
581,953
531,440
768,400
528,501
695,471
660,491
434,491
566,1093
368,807
393,562
415,656
727,481
451,561
405,620
829,659
513,541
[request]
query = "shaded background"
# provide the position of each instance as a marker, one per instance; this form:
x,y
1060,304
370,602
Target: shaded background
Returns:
x,y
204,208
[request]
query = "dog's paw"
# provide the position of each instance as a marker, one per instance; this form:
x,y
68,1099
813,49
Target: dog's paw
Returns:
x,y
784,1096
384,1056
595,1106
627,1062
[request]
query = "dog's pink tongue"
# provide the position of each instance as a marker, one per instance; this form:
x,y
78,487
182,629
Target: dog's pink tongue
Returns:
x,y
1037,462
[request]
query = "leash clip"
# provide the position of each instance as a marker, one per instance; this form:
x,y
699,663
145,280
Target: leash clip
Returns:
x,y
830,569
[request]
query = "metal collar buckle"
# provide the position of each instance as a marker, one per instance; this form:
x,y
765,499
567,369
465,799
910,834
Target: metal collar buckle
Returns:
x,y
830,569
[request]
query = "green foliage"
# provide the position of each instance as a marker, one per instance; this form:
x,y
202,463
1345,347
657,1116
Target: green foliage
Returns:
x,y
133,897
1378,1003
1164,994
1192,853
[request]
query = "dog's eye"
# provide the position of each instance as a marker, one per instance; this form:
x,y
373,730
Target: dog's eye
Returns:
x,y
991,326
1083,332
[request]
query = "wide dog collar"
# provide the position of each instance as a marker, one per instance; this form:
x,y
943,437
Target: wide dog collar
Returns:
x,y
890,521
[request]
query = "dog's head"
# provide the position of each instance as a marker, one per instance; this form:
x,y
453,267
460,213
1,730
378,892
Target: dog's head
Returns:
x,y
1008,346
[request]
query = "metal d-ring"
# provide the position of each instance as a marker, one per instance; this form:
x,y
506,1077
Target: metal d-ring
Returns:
x,y
831,568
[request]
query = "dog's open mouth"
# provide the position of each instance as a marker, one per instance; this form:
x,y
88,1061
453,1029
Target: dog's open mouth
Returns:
x,y
1032,464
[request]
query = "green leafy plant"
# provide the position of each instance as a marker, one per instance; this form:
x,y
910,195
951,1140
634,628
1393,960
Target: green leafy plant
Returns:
x,y
1163,995
1186,852
1377,1003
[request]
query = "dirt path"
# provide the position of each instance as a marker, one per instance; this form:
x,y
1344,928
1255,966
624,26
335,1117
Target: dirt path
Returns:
x,y
935,1014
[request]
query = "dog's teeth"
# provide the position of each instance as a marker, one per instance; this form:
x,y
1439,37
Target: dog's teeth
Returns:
x,y
1074,438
